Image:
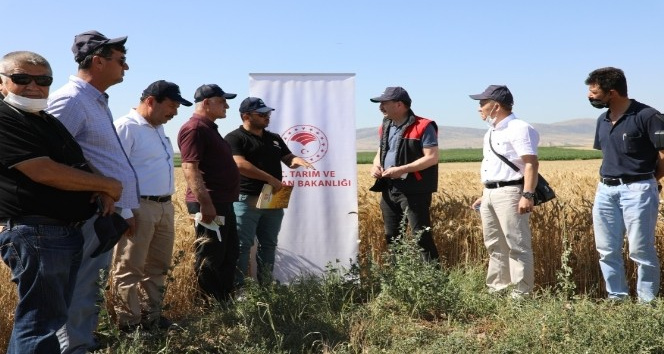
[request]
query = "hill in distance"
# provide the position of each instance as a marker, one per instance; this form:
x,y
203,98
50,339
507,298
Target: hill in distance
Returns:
x,y
572,133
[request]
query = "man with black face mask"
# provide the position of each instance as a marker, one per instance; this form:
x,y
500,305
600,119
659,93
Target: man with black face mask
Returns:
x,y
627,196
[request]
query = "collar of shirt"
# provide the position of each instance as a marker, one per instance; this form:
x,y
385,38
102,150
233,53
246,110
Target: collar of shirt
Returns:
x,y
204,120
88,89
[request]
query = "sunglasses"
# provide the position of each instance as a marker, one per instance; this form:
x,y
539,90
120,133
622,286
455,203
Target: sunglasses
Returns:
x,y
122,61
262,115
26,79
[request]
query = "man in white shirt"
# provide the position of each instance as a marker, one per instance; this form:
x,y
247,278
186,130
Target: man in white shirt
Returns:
x,y
142,261
507,199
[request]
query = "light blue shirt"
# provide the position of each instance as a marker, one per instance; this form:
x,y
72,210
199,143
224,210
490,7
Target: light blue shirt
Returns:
x,y
150,152
84,112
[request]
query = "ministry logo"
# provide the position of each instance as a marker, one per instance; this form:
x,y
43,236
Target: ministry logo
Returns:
x,y
306,141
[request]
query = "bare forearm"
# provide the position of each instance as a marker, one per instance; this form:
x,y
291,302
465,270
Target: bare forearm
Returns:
x,y
530,176
48,172
196,184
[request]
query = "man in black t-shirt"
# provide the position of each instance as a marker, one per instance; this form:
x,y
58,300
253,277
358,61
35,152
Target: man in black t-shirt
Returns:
x,y
258,154
46,191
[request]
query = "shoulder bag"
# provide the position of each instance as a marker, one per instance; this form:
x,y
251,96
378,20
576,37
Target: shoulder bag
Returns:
x,y
543,192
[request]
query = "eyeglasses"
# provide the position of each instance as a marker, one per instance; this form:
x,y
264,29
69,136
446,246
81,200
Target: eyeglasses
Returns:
x,y
262,115
122,61
26,79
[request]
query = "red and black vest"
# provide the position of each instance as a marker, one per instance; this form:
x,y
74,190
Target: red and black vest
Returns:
x,y
409,149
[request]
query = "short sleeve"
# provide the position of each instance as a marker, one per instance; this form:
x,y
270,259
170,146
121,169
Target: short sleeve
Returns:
x,y
429,137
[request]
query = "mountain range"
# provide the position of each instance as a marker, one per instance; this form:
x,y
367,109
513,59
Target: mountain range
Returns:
x,y
573,132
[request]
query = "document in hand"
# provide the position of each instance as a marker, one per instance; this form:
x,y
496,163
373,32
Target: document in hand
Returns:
x,y
278,200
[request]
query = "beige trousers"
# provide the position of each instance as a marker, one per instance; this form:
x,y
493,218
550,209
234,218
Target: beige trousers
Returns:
x,y
141,263
507,238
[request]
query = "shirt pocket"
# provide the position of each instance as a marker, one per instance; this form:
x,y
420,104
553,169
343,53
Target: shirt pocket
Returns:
x,y
632,141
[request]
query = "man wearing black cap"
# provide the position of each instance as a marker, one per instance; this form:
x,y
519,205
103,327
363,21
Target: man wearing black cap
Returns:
x,y
213,184
82,106
258,154
406,168
507,199
142,261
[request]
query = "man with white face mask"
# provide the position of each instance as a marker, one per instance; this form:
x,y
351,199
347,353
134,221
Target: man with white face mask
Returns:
x,y
507,199
46,193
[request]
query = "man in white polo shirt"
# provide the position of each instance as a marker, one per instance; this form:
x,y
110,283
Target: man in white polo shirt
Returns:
x,y
507,199
142,261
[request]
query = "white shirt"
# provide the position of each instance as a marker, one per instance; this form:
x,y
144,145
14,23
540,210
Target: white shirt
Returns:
x,y
150,152
512,138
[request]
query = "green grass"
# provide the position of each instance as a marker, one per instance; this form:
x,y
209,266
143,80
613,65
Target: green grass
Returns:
x,y
406,305
475,155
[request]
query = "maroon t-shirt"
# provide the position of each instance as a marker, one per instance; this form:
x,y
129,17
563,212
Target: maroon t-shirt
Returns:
x,y
199,141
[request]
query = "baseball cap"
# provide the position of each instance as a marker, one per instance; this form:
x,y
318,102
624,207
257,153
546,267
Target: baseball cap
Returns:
x,y
396,93
498,93
254,104
167,89
86,42
211,90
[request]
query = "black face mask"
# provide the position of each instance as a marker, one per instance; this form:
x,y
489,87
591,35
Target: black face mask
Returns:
x,y
599,104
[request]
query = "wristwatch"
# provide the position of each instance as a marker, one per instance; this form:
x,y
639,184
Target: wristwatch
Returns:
x,y
528,195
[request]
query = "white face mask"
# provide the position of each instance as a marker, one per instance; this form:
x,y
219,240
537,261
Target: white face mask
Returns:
x,y
489,119
32,105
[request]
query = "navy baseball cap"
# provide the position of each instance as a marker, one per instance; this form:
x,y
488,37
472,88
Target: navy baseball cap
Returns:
x,y
166,89
498,93
254,104
396,93
211,90
86,42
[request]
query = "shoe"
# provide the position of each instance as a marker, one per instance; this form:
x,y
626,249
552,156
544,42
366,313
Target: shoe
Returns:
x,y
165,323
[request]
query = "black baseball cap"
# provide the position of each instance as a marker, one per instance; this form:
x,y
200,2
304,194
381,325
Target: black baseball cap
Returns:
x,y
396,93
86,42
498,93
166,89
211,90
254,104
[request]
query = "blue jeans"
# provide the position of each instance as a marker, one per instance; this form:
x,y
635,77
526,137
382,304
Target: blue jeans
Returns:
x,y
43,260
262,225
627,209
77,335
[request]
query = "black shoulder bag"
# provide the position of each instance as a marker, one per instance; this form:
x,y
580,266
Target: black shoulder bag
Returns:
x,y
543,192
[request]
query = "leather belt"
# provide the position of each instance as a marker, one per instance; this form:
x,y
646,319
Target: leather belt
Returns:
x,y
493,185
155,198
610,181
40,220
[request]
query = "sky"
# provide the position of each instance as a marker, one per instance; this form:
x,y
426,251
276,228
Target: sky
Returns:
x,y
439,51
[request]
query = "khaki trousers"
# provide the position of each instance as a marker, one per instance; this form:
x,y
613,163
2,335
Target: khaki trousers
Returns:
x,y
507,238
141,263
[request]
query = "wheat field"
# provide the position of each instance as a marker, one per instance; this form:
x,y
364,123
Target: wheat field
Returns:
x,y
456,228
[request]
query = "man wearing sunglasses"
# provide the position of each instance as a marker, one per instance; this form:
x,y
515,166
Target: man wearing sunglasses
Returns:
x,y
82,106
258,154
46,193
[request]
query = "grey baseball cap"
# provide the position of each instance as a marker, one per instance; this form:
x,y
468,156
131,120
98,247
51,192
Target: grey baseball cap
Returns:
x,y
498,93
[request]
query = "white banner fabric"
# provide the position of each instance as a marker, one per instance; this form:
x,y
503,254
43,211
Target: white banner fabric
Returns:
x,y
315,115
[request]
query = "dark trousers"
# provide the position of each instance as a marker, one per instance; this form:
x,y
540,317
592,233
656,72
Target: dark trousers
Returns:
x,y
215,261
394,204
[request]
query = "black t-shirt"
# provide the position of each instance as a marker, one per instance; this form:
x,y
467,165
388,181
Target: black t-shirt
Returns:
x,y
264,152
25,136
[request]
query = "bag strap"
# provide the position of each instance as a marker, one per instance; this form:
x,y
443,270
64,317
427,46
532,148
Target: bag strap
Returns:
x,y
505,160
